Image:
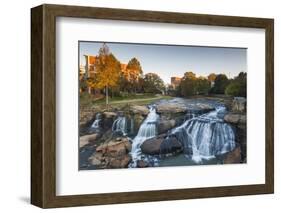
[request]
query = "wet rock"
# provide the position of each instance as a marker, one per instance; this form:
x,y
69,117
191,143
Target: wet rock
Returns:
x,y
170,145
87,139
142,164
137,119
159,145
164,125
232,118
233,156
123,162
241,138
110,114
171,108
204,107
235,118
239,104
113,154
115,147
106,136
142,110
240,122
86,115
107,120
152,146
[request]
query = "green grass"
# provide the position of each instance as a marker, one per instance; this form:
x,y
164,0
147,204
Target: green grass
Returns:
x,y
140,99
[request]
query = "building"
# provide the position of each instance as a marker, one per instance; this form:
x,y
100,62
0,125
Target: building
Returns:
x,y
175,82
89,66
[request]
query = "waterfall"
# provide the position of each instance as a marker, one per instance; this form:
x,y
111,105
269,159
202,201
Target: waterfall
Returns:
x,y
205,136
96,124
148,129
120,125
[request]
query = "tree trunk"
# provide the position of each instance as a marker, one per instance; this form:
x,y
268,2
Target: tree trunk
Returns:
x,y
106,92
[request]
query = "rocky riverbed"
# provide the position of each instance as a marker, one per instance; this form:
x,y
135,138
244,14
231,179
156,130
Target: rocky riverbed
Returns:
x,y
171,132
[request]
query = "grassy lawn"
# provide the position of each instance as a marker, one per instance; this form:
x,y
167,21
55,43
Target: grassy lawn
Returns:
x,y
139,99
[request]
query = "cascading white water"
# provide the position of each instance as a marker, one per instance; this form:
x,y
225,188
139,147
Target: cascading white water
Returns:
x,y
148,129
205,136
120,125
96,123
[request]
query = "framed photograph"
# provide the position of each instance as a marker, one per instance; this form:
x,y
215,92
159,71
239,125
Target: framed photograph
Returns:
x,y
136,106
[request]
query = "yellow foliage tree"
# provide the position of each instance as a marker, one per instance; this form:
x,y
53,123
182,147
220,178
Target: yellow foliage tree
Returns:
x,y
107,71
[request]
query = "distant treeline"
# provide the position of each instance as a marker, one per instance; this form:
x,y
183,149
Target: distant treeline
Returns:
x,y
215,84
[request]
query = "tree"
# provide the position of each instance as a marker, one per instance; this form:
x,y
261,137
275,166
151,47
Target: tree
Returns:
x,y
135,67
190,75
134,71
221,82
238,86
212,77
233,89
202,86
188,84
107,71
153,83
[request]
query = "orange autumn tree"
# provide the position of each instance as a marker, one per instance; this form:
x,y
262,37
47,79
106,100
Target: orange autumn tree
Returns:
x,y
107,71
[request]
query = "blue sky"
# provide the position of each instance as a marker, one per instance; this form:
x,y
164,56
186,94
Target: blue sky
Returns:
x,y
171,60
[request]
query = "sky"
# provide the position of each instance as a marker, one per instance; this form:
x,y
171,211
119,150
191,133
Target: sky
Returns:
x,y
174,60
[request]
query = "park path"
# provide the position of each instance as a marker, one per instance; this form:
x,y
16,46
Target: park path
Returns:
x,y
136,100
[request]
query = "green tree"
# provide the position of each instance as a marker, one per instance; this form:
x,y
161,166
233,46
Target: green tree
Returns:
x,y
190,75
134,70
221,82
202,86
188,84
153,83
233,89
238,86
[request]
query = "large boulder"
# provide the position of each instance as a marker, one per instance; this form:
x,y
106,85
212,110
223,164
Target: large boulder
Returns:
x,y
239,104
235,118
241,138
164,125
233,156
109,115
158,145
137,109
171,108
142,164
113,154
115,147
137,119
204,107
240,122
107,120
170,145
88,139
86,115
152,146
120,162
